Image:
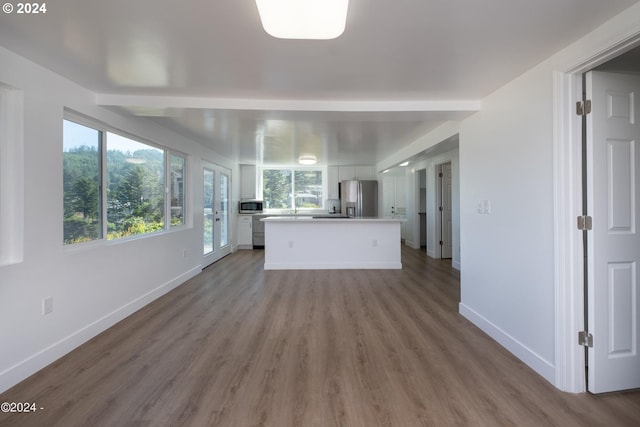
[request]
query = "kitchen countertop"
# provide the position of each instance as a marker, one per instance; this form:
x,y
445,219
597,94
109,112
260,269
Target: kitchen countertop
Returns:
x,y
325,219
307,243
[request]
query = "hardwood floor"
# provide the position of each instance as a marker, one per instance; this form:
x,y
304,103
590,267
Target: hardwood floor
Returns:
x,y
238,346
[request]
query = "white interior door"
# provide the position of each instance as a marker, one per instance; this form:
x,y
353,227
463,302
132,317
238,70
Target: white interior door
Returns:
x,y
613,186
216,182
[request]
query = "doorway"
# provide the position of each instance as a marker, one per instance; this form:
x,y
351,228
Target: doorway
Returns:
x,y
444,210
216,182
422,208
571,271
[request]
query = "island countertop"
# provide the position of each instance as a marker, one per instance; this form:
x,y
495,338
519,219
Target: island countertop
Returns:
x,y
304,242
328,218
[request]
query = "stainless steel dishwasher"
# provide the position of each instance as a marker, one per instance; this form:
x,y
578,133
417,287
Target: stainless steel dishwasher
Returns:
x,y
258,232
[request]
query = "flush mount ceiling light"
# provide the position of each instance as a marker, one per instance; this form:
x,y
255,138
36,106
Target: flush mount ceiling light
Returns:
x,y
307,160
404,164
303,19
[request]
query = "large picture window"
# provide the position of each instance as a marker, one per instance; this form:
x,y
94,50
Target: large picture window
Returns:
x,y
133,174
82,182
135,195
293,189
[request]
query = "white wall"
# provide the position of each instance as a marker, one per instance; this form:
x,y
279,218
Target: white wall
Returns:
x,y
92,286
507,276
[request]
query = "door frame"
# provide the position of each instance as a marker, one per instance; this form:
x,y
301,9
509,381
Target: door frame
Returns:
x,y
218,251
567,195
438,214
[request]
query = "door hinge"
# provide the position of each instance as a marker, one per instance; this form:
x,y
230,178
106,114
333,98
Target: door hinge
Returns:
x,y
583,107
585,222
441,242
440,174
440,208
585,339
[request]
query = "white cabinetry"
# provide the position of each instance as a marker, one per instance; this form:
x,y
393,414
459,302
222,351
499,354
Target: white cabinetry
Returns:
x,y
394,195
365,173
333,178
245,232
394,199
347,173
356,172
248,182
336,174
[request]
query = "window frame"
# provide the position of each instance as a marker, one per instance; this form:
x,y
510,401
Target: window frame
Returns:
x,y
168,153
168,189
11,175
294,169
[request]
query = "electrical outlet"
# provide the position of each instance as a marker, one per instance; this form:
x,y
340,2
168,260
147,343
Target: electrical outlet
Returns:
x,y
47,306
374,243
484,207
291,243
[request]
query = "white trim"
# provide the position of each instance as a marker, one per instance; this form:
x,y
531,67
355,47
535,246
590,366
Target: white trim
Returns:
x,y
521,351
161,103
11,176
39,360
567,194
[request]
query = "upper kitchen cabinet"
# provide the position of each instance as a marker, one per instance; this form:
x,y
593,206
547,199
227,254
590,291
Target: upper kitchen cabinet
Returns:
x,y
333,178
248,187
336,174
347,173
366,173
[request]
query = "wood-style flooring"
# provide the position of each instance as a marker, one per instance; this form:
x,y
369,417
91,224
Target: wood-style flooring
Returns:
x,y
238,346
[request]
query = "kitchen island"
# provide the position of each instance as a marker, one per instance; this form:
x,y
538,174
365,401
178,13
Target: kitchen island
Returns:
x,y
325,242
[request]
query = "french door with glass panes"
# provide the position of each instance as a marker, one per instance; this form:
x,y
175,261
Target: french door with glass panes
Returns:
x,y
216,239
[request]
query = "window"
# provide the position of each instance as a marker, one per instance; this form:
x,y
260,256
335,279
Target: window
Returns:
x,y
114,186
293,189
176,183
135,187
82,177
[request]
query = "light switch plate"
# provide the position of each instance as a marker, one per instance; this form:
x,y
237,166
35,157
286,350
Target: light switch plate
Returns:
x,y
47,306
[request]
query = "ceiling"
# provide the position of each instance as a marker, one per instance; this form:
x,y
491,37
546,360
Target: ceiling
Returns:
x,y
207,69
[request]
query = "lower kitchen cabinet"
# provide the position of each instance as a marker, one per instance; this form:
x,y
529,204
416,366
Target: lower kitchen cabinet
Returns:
x,y
245,231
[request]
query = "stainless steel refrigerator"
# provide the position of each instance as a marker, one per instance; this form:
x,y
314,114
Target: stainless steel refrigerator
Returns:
x,y
359,198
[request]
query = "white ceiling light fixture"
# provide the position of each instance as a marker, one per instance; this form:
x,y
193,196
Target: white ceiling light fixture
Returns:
x,y
307,160
404,164
303,19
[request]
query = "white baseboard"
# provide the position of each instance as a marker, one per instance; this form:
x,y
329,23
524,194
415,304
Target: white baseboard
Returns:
x,y
456,265
32,364
411,244
522,352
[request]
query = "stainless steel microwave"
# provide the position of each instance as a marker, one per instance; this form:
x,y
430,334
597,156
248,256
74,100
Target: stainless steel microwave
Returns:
x,y
250,206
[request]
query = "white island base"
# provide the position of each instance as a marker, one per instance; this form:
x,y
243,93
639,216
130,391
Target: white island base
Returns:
x,y
306,243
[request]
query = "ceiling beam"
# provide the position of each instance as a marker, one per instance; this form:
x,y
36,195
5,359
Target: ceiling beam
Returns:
x,y
395,105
